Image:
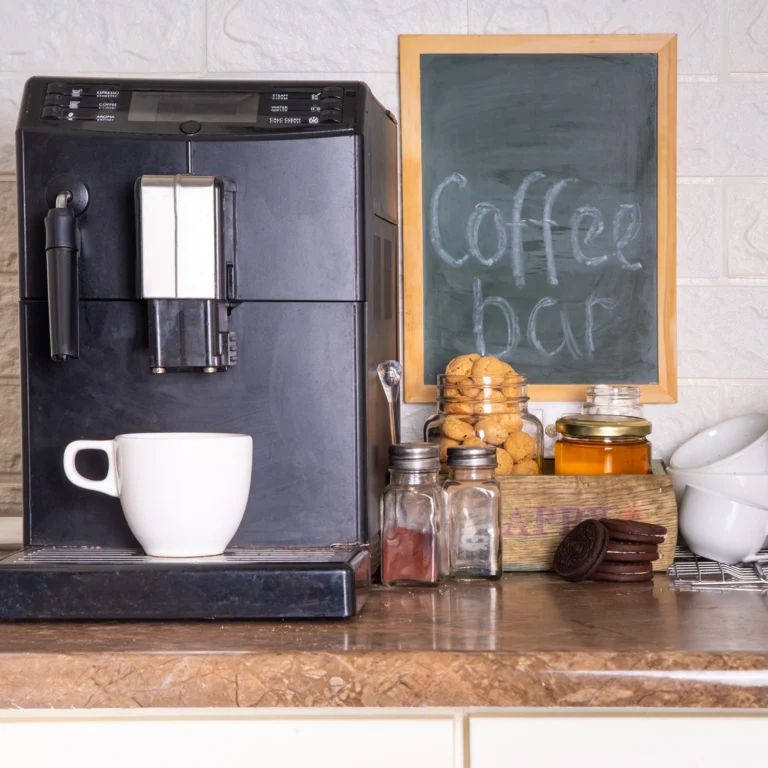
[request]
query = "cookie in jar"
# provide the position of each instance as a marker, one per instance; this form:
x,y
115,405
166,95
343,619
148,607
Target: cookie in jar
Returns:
x,y
482,401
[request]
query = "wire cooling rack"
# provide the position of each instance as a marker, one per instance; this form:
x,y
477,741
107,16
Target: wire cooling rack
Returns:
x,y
690,571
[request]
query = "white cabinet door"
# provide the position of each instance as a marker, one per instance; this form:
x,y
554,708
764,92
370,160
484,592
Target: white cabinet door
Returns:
x,y
636,740
125,740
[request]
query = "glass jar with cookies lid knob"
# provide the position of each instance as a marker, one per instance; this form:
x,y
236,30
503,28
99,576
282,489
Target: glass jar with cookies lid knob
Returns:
x,y
483,401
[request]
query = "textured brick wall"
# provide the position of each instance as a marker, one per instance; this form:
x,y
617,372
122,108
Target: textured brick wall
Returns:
x,y
723,140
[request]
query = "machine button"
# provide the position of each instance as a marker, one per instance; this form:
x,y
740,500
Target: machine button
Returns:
x,y
190,126
74,91
52,112
333,92
70,103
330,116
330,104
99,117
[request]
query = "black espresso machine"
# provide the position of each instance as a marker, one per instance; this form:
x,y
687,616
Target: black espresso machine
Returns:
x,y
205,256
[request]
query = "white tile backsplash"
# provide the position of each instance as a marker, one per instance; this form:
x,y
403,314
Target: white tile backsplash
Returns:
x,y
699,230
321,35
10,505
723,331
722,134
747,32
9,331
11,530
742,397
9,243
747,215
722,129
10,418
696,22
57,36
10,97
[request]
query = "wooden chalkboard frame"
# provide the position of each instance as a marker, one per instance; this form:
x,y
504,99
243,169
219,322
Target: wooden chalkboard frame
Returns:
x,y
411,49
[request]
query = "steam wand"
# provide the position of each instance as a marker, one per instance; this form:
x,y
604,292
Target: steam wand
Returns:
x,y
61,251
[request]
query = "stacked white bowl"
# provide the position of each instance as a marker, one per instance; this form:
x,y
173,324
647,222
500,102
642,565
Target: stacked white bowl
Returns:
x,y
720,478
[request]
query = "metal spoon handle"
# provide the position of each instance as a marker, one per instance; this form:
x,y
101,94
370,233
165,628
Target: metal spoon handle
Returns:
x,y
391,374
394,421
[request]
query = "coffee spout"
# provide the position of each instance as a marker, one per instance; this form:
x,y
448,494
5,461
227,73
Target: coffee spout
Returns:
x,y
183,272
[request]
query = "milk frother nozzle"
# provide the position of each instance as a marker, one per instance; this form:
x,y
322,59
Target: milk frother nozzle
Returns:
x,y
61,251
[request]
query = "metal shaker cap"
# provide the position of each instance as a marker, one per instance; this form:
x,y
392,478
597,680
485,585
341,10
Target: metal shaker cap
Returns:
x,y
417,457
472,456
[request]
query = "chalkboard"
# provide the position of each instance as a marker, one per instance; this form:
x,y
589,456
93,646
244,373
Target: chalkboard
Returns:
x,y
542,180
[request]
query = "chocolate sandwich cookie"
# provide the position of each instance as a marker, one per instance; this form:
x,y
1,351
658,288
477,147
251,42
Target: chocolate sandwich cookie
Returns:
x,y
623,572
630,552
581,551
631,530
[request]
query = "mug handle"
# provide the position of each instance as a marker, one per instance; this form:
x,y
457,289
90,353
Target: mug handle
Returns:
x,y
109,484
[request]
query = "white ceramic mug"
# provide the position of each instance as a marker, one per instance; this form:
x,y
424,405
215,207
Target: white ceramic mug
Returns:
x,y
722,528
183,493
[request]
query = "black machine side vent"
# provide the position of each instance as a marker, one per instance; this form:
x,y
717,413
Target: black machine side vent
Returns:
x,y
377,277
388,267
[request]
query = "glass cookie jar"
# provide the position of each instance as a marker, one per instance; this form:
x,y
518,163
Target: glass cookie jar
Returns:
x,y
489,411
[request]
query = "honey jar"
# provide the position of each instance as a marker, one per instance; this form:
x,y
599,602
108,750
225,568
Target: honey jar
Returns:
x,y
598,444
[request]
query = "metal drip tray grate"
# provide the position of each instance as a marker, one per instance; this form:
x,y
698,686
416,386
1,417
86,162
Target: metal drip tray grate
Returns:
x,y
689,572
96,556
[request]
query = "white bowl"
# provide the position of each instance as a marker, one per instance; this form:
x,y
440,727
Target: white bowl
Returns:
x,y
752,489
720,528
738,446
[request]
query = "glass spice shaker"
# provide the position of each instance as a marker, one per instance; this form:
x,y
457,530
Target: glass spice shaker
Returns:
x,y
472,514
410,507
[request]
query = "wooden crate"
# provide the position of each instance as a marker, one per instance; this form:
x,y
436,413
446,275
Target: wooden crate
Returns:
x,y
537,511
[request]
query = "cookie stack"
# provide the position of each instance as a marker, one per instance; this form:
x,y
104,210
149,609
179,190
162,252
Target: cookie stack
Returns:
x,y
609,550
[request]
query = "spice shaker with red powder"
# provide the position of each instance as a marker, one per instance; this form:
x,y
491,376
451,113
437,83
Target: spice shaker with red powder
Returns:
x,y
410,509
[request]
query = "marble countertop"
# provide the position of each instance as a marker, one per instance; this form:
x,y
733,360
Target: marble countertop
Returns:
x,y
529,640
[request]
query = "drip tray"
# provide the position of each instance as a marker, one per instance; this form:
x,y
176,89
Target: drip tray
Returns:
x,y
93,583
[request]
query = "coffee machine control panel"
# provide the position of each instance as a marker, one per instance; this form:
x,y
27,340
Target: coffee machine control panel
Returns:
x,y
199,108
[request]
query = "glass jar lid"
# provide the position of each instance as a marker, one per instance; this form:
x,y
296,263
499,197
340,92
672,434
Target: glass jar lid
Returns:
x,y
604,394
602,425
618,400
415,457
475,457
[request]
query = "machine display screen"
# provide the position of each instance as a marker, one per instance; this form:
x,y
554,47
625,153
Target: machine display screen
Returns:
x,y
155,107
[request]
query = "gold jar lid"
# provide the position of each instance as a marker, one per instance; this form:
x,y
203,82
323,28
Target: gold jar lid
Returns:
x,y
597,425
